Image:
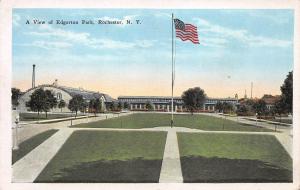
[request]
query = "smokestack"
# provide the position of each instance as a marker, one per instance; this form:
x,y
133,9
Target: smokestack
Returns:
x,y
33,75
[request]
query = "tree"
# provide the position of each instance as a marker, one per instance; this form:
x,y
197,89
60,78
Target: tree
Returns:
x,y
37,100
227,107
245,107
243,110
92,106
61,104
95,105
193,98
76,103
120,105
98,105
15,94
50,102
219,106
113,106
287,92
126,105
279,107
84,107
149,106
260,107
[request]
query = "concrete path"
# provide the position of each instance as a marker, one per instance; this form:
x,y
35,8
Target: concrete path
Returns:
x,y
30,166
244,120
171,167
25,131
286,141
284,134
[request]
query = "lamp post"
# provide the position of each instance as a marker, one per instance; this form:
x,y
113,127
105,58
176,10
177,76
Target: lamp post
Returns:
x,y
87,117
17,119
223,120
72,118
256,119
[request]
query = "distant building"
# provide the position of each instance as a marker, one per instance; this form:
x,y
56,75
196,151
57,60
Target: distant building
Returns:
x,y
163,103
66,94
270,100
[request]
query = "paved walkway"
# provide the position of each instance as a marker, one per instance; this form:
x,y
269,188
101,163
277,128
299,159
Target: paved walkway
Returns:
x,y
286,141
30,166
244,120
284,136
171,167
25,131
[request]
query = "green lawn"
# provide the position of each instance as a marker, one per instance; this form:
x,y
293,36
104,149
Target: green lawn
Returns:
x,y
42,116
147,120
29,144
106,156
233,158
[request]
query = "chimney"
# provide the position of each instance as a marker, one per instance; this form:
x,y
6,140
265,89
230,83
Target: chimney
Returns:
x,y
33,75
245,96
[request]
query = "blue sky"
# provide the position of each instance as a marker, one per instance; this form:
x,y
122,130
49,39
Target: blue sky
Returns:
x,y
237,47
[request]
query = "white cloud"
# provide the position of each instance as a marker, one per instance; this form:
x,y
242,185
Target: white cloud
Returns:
x,y
278,18
267,42
54,57
48,31
47,44
84,38
161,14
213,42
146,43
275,18
243,36
110,44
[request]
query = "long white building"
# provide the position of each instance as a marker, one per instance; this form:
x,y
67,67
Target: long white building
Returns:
x,y
163,103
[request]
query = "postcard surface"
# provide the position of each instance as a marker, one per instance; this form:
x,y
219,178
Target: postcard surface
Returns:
x,y
153,97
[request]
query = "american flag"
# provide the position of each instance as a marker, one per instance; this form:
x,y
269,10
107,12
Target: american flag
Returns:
x,y
186,31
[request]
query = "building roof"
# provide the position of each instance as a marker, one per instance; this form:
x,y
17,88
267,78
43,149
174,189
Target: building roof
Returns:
x,y
86,94
269,99
167,97
148,97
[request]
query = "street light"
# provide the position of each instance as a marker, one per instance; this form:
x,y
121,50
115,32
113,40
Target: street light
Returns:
x,y
87,117
17,119
223,120
72,118
256,119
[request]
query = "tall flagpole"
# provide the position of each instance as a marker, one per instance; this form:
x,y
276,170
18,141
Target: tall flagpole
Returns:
x,y
172,69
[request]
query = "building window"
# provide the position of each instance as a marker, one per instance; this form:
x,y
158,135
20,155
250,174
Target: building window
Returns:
x,y
59,96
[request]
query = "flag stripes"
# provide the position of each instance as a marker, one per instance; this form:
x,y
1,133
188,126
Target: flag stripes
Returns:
x,y
186,31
